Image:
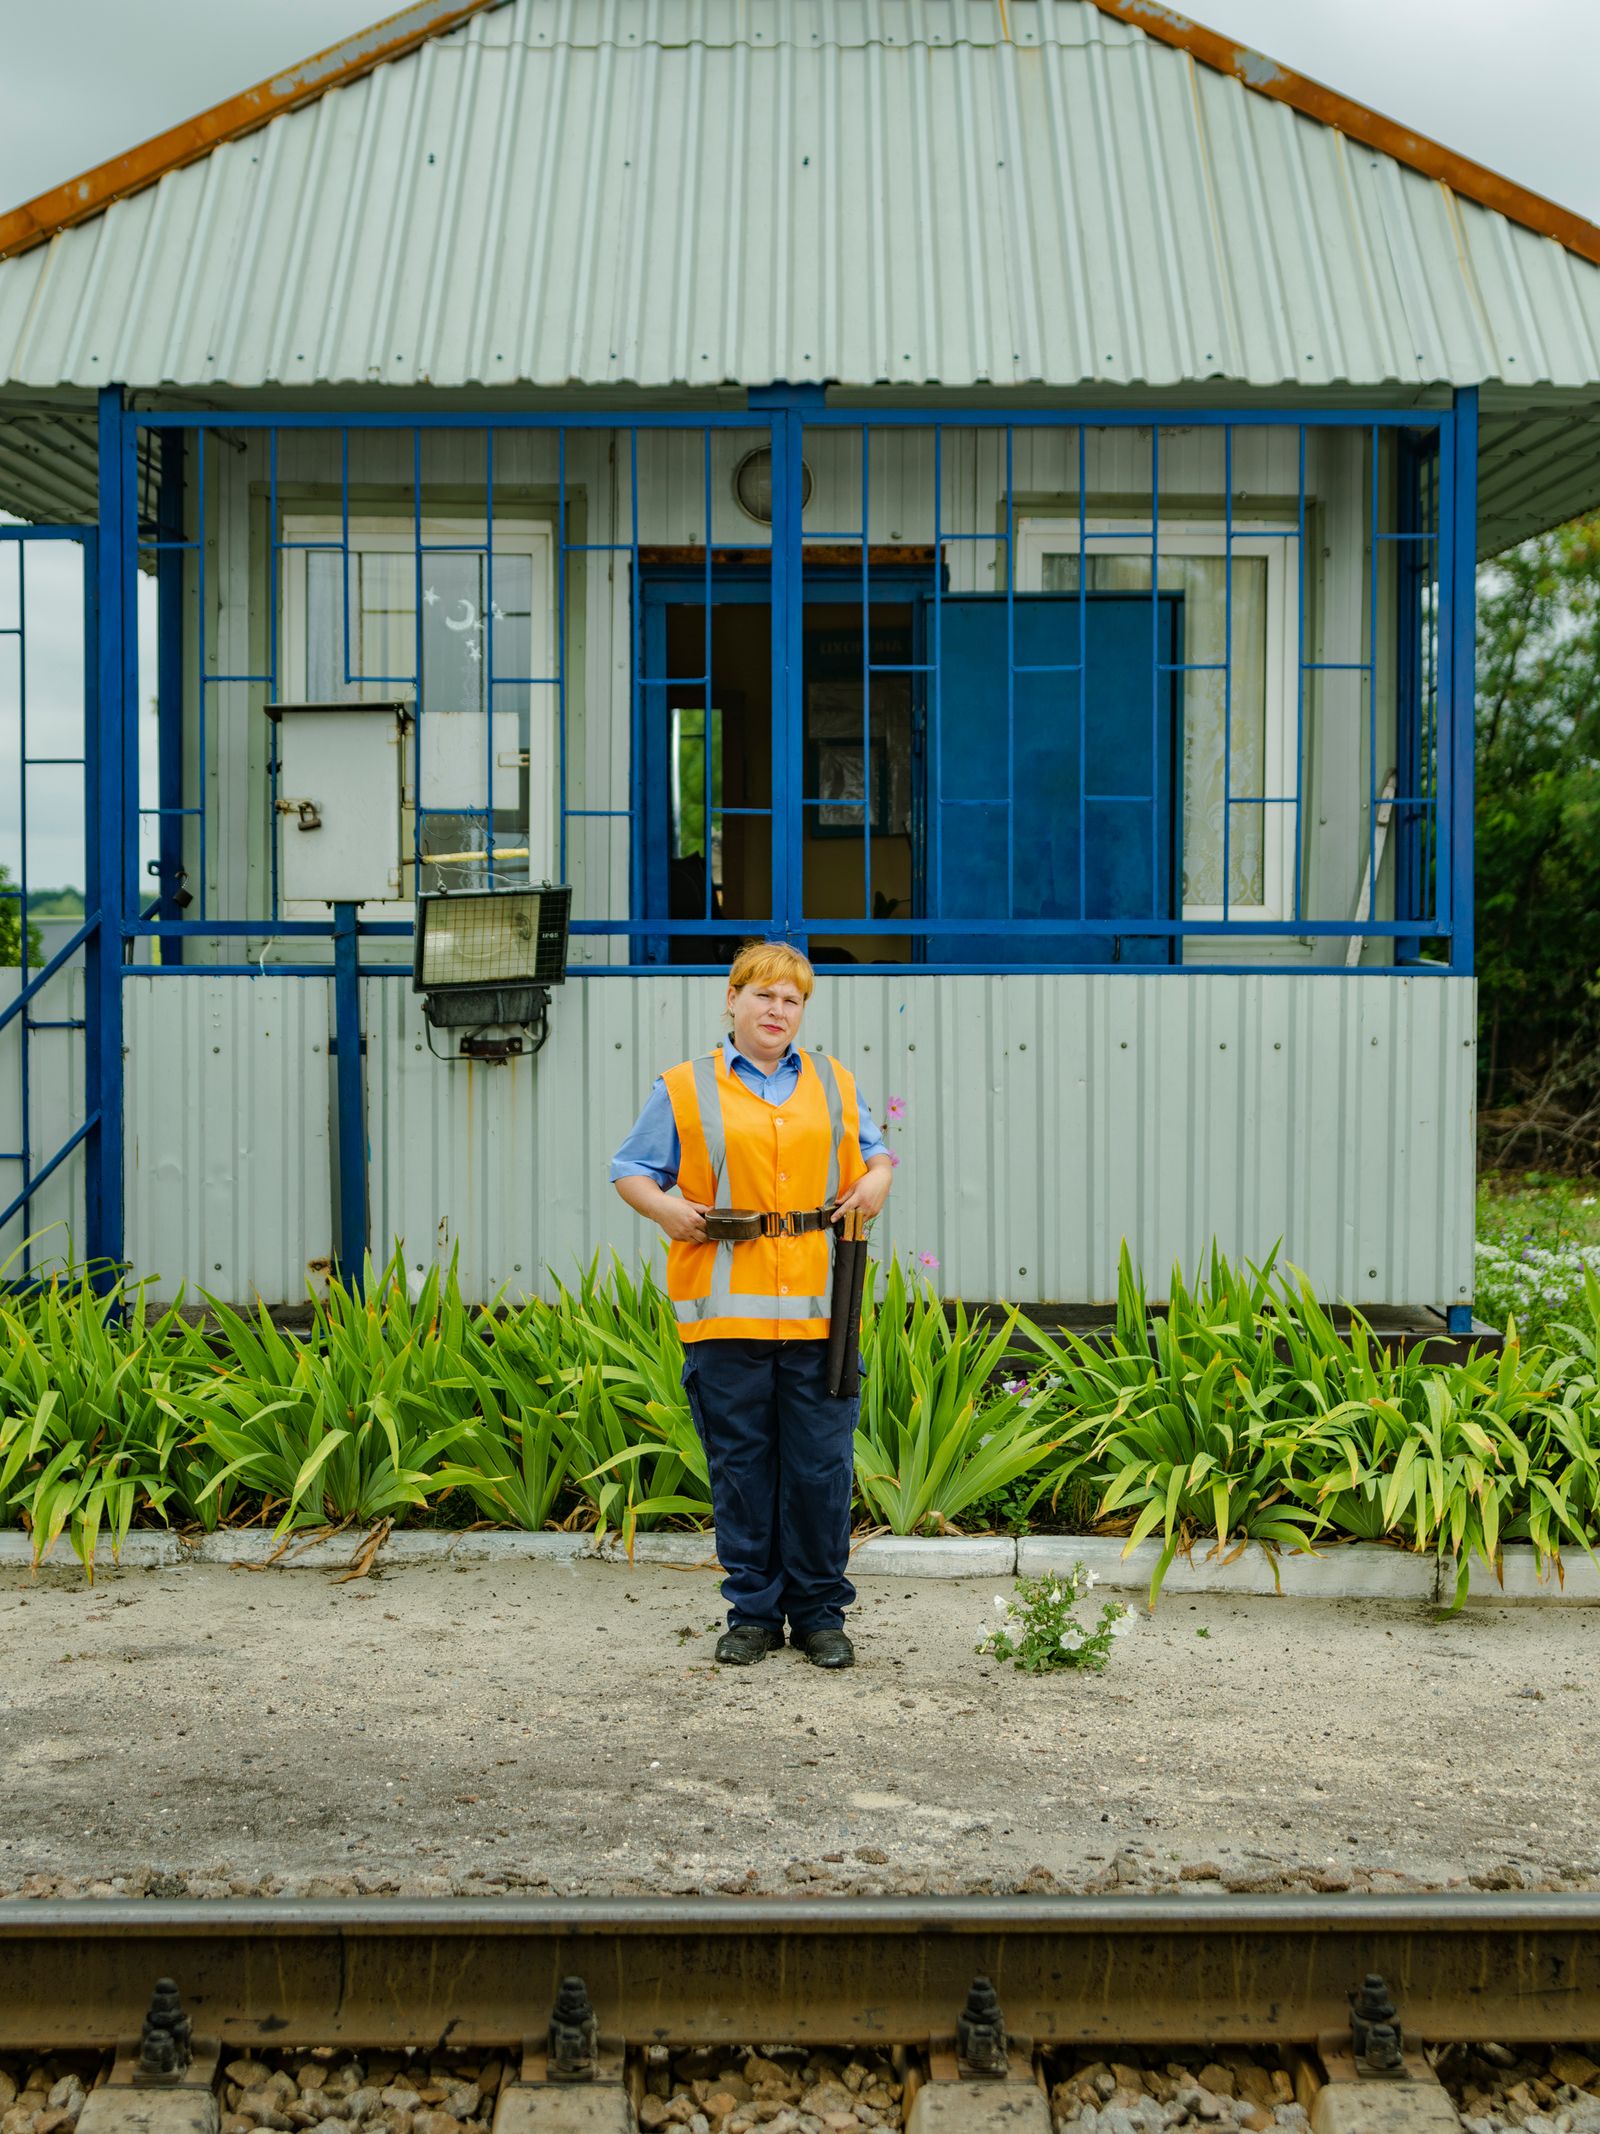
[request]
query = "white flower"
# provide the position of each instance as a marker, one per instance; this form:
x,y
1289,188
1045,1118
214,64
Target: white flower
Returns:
x,y
1071,1639
1091,1578
1000,1602
1123,1624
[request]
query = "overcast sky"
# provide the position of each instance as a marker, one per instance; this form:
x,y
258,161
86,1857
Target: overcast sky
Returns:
x,y
1510,82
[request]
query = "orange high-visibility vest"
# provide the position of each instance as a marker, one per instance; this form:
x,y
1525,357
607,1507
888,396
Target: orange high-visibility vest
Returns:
x,y
738,1151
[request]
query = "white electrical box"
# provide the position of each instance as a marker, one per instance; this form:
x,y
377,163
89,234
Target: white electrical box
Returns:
x,y
340,770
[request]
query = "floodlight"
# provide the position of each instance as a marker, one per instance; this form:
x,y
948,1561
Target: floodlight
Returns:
x,y
488,957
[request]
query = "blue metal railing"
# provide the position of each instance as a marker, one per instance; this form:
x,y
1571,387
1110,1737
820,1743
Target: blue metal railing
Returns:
x,y
1411,664
24,717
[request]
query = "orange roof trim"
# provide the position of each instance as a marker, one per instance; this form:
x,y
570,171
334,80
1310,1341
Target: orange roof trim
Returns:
x,y
36,220
80,198
1472,180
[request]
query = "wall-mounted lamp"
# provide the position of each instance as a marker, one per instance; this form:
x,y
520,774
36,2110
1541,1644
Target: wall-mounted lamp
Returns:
x,y
487,958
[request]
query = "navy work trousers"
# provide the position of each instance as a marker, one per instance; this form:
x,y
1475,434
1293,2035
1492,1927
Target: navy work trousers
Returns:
x,y
780,1451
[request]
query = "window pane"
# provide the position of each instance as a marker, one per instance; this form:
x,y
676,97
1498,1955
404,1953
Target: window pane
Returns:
x,y
383,620
324,647
470,774
452,632
511,612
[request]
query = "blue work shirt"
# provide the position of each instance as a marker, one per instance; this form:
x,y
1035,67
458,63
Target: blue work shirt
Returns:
x,y
652,1149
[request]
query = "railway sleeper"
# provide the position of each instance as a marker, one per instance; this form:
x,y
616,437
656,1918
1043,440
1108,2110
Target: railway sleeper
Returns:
x,y
1369,2078
943,2093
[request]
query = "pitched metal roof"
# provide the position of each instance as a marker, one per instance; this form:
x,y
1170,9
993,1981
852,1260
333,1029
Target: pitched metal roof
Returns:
x,y
662,193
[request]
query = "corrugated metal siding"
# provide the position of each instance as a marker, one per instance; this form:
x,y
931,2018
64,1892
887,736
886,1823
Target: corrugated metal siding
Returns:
x,y
228,1182
54,1217
636,192
1046,1119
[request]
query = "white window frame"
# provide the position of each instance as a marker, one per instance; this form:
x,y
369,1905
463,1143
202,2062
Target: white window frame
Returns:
x,y
395,533
1040,535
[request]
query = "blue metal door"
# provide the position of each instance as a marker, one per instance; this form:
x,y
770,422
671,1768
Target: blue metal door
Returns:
x,y
1053,744
48,1065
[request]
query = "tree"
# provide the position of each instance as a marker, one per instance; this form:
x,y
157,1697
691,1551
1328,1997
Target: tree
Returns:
x,y
11,925
1538,848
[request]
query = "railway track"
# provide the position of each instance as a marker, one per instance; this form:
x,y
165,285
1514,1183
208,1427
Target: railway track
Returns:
x,y
886,1975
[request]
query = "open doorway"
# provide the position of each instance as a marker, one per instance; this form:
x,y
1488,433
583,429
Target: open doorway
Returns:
x,y
862,803
707,751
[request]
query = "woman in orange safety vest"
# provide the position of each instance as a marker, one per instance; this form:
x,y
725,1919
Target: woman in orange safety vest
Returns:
x,y
761,1125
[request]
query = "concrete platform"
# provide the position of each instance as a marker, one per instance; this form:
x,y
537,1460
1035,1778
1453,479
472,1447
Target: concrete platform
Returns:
x,y
559,1726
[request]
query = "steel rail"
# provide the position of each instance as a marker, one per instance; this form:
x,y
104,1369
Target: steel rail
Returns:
x,y
1140,1970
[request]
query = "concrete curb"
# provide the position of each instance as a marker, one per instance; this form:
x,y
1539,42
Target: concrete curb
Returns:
x,y
1350,1571
950,1556
151,1549
1580,1588
1346,1571
259,1546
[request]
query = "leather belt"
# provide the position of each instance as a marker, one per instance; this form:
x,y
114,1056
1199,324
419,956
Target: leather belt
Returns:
x,y
741,1226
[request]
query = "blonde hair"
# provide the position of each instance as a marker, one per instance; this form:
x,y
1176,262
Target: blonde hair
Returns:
x,y
765,962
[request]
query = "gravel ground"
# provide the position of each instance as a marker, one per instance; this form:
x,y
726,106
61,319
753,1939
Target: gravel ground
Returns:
x,y
384,2093
796,2091
1148,2095
45,2096
1546,2091
555,1727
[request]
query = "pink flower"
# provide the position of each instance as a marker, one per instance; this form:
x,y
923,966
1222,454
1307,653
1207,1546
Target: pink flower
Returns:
x,y
926,1259
894,1160
897,1107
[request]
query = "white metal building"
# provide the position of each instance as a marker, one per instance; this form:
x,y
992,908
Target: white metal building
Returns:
x,y
988,490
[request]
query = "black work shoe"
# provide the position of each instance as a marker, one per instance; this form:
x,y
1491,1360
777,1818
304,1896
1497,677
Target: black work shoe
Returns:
x,y
746,1643
825,1648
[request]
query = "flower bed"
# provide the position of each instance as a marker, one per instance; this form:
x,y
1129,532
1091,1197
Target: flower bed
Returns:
x,y
1238,1415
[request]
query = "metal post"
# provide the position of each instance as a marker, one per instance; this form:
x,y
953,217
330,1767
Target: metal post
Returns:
x,y
1410,888
1461,626
1461,620
170,562
350,1105
785,404
105,842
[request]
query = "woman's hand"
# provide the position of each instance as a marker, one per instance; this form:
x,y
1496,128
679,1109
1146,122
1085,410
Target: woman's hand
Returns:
x,y
683,1220
870,1191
